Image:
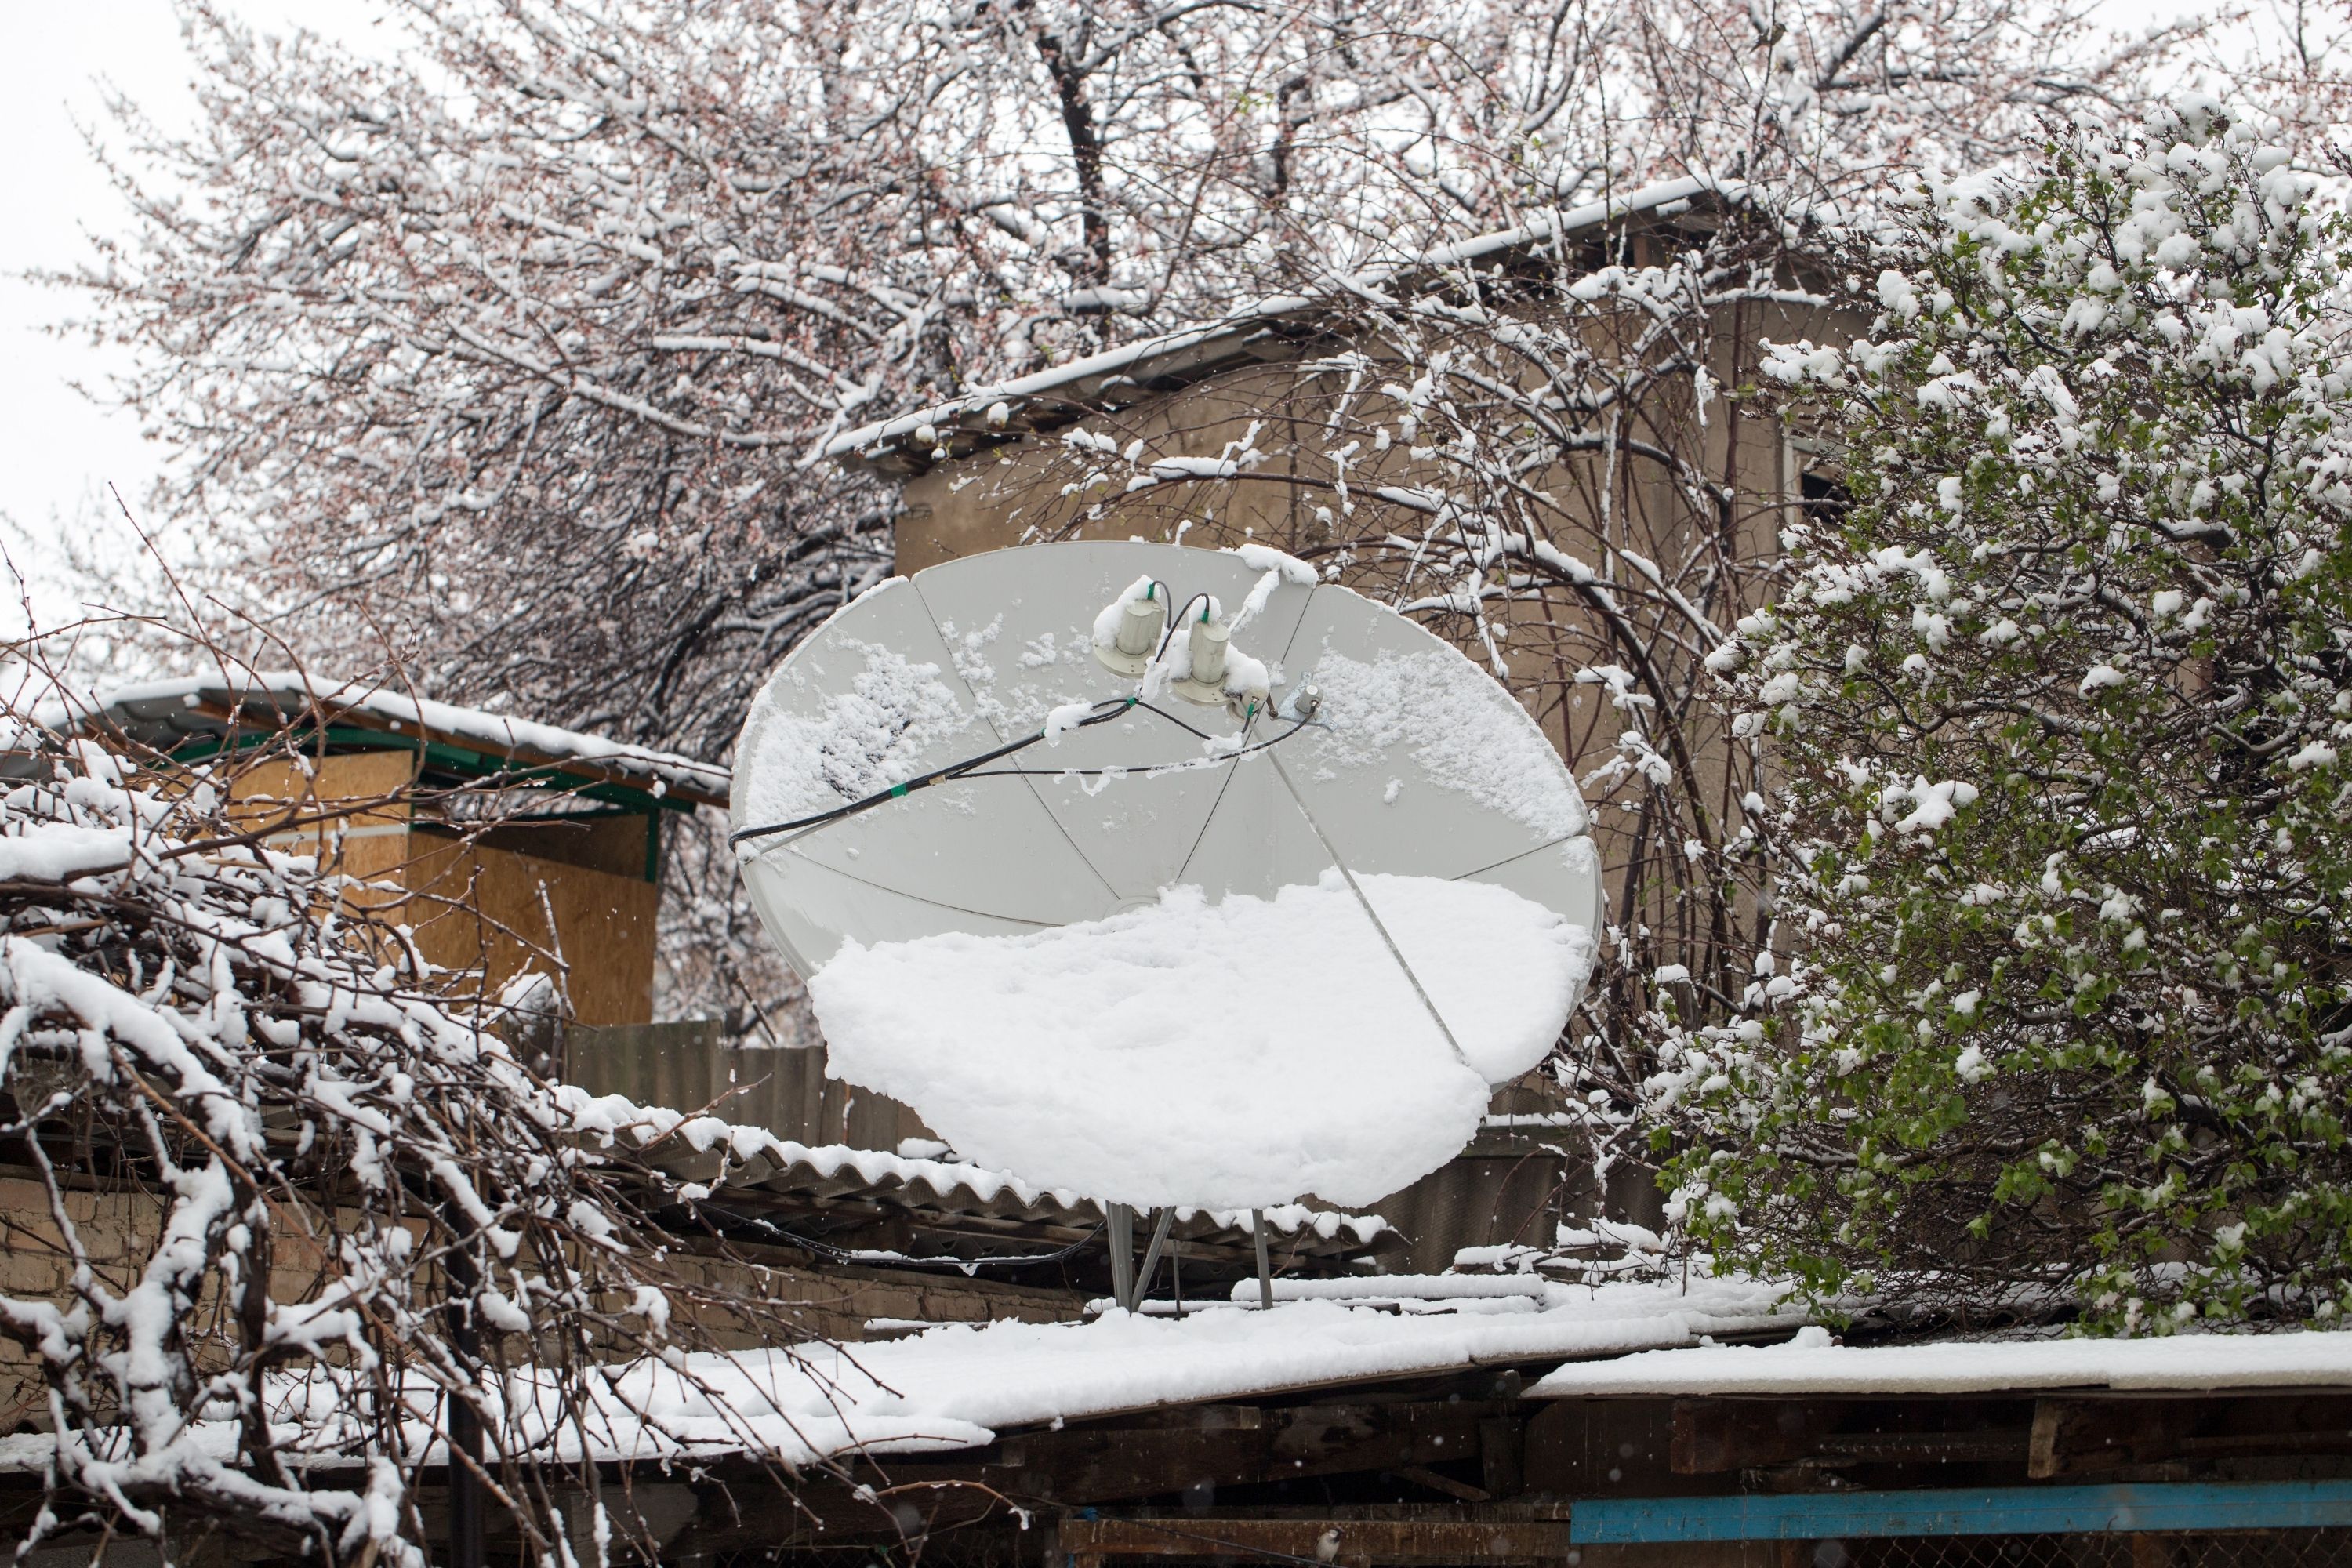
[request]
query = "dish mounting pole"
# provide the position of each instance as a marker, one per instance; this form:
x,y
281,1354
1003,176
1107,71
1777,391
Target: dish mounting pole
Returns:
x,y
1265,1267
1151,1257
1118,1220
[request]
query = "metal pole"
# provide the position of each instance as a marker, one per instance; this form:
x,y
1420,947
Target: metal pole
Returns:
x,y
1265,1267
1151,1257
1120,1222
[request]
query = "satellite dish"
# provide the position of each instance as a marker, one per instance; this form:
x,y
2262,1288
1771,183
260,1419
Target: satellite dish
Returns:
x,y
1168,876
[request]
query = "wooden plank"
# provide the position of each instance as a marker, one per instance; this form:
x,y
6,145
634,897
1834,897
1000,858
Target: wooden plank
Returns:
x,y
1998,1510
2084,1435
1461,1491
2071,1436
1502,1456
1090,1466
2068,1434
1714,1436
1334,1541
1153,1452
473,906
1160,1450
1608,1447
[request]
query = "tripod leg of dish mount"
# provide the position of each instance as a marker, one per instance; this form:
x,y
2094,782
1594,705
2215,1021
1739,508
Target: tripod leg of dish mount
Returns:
x,y
1265,1269
1119,1227
1151,1257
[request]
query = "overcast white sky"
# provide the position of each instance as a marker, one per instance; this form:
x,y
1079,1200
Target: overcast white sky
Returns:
x,y
57,452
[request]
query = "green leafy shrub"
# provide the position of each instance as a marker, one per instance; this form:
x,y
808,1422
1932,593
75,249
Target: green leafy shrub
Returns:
x,y
2062,833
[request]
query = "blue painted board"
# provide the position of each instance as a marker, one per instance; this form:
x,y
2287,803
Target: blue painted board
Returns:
x,y
1998,1510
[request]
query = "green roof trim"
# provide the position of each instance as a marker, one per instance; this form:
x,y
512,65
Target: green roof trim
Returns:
x,y
449,761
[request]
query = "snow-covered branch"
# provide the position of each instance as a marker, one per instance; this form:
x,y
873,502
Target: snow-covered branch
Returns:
x,y
298,1207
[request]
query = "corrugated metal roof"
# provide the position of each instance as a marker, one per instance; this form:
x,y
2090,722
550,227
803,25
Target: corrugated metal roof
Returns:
x,y
754,1167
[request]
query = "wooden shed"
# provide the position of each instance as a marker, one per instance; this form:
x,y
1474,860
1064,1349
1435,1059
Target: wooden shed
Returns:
x,y
502,845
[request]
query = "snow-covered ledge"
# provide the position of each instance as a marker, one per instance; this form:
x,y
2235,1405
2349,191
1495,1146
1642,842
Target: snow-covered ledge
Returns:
x,y
1812,1364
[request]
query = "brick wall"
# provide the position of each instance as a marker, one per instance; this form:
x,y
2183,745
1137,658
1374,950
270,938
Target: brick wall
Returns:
x,y
118,1228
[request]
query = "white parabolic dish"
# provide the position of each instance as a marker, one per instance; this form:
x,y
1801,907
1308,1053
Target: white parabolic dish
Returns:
x,y
1161,985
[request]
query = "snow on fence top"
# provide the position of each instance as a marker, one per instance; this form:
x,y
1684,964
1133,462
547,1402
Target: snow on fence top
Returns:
x,y
1810,1363
1190,353
166,713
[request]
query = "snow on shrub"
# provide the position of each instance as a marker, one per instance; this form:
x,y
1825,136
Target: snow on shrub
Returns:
x,y
2061,838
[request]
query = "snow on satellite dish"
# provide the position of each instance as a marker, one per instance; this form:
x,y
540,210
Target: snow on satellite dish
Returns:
x,y
1168,876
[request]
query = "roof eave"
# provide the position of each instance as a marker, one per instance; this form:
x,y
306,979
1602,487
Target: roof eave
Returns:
x,y
1048,399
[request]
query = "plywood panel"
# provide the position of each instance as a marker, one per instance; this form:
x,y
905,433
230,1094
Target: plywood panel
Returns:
x,y
369,841
616,842
375,781
475,906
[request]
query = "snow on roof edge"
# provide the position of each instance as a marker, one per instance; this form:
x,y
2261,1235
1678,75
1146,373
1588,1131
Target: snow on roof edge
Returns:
x,y
1652,198
961,1385
496,731
1810,1364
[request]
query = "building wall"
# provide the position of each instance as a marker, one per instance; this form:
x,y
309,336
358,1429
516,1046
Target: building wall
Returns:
x,y
572,897
1012,494
1603,512
119,1231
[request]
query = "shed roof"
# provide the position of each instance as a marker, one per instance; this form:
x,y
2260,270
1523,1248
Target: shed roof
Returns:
x,y
199,712
1130,373
958,1387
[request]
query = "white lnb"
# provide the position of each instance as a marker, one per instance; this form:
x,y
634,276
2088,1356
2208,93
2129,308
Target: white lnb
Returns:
x,y
1206,643
1209,641
1140,623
